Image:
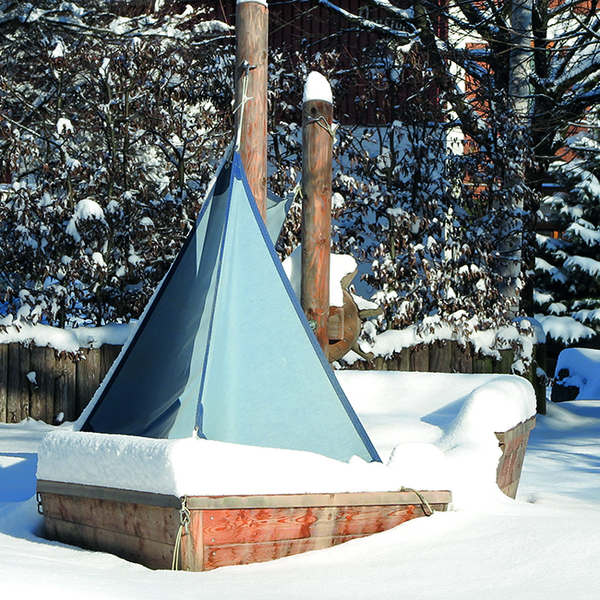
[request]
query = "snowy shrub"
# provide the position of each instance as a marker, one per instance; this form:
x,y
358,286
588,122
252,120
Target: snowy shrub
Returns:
x,y
112,124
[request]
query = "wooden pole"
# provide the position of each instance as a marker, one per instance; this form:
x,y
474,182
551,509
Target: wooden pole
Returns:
x,y
252,28
317,142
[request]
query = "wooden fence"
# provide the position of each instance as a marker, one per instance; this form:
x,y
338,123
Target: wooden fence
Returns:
x,y
49,386
46,385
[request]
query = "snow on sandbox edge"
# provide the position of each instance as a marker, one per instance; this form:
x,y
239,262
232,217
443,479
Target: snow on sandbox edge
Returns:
x,y
464,460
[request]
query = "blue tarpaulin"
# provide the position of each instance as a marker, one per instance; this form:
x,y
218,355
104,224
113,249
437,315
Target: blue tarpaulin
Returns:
x,y
225,349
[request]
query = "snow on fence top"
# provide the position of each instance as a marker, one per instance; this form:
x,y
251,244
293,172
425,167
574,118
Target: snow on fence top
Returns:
x,y
64,340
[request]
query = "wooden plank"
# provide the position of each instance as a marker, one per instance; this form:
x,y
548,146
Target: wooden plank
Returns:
x,y
514,445
248,526
17,383
404,360
65,387
141,520
243,554
461,358
482,364
4,383
88,377
366,520
149,553
318,500
419,358
336,323
105,493
42,391
504,365
395,498
440,357
351,330
108,355
192,543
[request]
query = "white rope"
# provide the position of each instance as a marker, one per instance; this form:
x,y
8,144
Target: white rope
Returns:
x,y
243,101
321,121
184,521
424,503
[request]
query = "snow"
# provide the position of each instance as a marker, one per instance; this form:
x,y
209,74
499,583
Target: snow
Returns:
x,y
340,266
583,365
263,2
543,545
65,340
64,126
526,331
589,265
195,466
317,88
564,329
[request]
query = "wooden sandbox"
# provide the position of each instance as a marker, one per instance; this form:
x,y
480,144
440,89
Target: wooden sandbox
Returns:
x,y
220,530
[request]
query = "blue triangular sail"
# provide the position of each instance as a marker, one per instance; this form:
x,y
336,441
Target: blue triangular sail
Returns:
x,y
225,347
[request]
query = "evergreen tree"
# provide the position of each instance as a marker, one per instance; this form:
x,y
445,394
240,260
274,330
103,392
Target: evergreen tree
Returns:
x,y
568,263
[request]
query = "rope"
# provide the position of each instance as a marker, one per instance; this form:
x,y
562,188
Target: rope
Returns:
x,y
184,521
321,121
247,67
427,510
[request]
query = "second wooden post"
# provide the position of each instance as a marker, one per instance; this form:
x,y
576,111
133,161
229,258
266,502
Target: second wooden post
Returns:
x,y
317,143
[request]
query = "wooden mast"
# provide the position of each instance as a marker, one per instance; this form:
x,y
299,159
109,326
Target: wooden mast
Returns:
x,y
317,142
252,27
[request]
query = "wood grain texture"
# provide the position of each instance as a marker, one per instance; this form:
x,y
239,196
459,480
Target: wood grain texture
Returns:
x,y
42,392
4,383
88,377
150,553
317,144
252,30
65,387
513,444
351,327
140,520
419,358
218,535
17,383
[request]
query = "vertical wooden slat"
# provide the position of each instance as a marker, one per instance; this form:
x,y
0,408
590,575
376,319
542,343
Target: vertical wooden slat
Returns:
x,y
42,391
4,383
108,355
65,388
18,384
482,364
461,358
440,356
88,377
504,365
419,358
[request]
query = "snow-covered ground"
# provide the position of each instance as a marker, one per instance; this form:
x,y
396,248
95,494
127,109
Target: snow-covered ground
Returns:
x,y
546,544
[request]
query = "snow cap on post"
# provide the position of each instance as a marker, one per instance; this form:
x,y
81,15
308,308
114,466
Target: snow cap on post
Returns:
x,y
317,88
